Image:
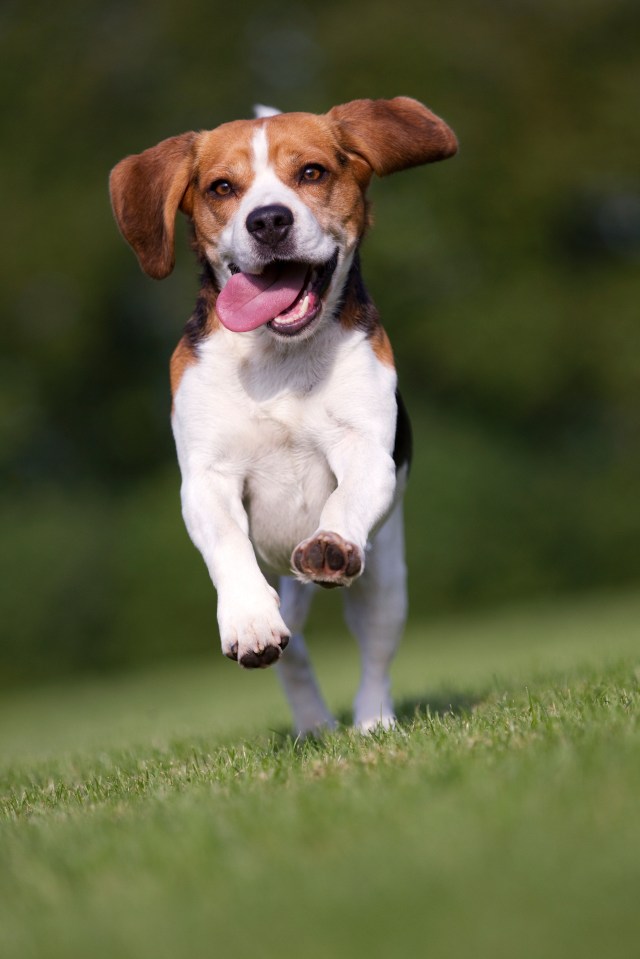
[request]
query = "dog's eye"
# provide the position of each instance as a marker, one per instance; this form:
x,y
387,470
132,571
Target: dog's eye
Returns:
x,y
221,188
312,172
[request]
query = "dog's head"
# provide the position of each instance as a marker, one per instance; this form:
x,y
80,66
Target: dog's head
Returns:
x,y
277,204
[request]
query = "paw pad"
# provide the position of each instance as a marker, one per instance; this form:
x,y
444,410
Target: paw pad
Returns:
x,y
258,659
327,559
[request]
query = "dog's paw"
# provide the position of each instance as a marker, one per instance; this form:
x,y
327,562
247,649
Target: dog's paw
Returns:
x,y
369,724
254,635
327,559
373,709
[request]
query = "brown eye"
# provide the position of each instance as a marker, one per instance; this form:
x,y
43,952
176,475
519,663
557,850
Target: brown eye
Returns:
x,y
221,188
312,173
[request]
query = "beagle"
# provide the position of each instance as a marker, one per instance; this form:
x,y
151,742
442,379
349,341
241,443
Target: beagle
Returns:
x,y
291,436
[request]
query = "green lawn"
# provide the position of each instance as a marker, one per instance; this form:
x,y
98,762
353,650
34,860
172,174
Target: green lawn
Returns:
x,y
168,814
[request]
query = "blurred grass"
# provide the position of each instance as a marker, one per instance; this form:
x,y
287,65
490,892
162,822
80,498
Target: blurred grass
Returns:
x,y
211,697
155,815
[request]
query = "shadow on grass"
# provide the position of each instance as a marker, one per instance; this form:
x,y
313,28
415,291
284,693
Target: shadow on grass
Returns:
x,y
435,704
440,704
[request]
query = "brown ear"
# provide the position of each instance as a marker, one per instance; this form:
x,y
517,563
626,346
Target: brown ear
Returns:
x,y
146,191
392,135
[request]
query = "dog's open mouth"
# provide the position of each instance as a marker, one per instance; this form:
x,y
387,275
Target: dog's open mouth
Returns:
x,y
287,296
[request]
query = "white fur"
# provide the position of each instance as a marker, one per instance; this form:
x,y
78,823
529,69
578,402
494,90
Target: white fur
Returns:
x,y
375,610
236,245
279,441
262,112
260,152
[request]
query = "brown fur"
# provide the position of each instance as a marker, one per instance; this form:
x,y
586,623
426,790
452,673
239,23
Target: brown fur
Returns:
x,y
381,345
373,136
146,192
351,142
183,356
393,135
339,197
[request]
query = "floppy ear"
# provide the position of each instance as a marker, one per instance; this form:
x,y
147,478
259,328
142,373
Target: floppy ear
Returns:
x,y
392,135
146,191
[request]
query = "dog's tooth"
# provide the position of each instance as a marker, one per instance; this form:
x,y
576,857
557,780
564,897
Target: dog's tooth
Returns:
x,y
294,316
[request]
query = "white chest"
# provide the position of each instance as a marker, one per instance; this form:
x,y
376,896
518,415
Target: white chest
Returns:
x,y
287,482
271,429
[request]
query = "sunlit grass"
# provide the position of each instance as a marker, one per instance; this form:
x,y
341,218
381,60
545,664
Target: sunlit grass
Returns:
x,y
169,813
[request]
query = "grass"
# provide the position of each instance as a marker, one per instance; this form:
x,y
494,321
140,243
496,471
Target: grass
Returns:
x,y
169,813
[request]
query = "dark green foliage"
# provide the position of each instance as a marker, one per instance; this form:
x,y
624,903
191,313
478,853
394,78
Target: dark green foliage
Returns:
x,y
508,279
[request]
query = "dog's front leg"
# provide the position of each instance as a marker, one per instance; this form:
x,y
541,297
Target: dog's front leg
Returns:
x,y
366,481
251,628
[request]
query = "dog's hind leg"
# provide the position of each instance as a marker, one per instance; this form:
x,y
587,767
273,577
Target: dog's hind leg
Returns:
x,y
310,712
375,611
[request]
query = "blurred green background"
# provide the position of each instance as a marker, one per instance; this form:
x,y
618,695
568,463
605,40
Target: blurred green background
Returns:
x,y
508,279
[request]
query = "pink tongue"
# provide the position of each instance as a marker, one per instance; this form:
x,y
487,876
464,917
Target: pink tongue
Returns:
x,y
248,301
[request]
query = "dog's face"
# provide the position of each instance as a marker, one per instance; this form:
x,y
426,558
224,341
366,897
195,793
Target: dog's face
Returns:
x,y
278,200
278,205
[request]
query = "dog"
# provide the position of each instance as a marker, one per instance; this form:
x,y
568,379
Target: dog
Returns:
x,y
292,439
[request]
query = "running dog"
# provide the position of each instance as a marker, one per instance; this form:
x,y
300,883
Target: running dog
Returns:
x,y
292,438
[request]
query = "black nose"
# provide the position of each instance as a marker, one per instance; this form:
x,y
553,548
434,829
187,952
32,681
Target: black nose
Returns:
x,y
270,224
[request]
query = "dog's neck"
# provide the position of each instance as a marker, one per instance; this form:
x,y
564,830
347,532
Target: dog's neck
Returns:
x,y
356,309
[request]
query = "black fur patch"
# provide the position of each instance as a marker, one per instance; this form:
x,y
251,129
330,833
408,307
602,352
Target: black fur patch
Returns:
x,y
403,445
356,300
197,325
